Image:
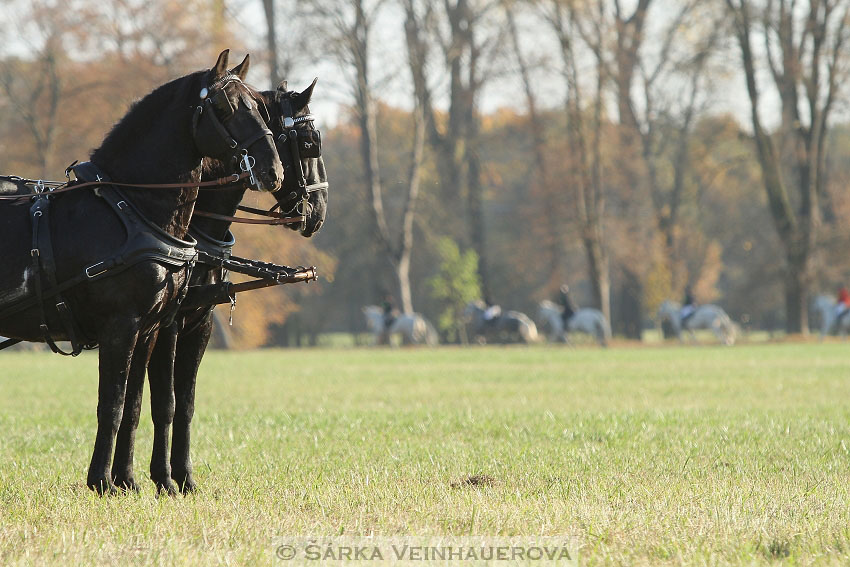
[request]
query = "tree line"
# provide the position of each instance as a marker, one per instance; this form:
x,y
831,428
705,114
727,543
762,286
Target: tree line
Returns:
x,y
617,161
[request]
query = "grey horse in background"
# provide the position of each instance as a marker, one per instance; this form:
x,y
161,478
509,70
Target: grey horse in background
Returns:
x,y
586,320
508,327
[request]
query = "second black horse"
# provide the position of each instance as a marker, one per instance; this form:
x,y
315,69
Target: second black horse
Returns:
x,y
176,357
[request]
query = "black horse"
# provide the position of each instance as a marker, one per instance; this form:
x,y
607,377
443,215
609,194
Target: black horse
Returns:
x,y
174,362
121,296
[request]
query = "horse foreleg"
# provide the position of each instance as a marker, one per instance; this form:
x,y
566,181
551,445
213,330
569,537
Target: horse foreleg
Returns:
x,y
161,379
117,344
190,350
122,463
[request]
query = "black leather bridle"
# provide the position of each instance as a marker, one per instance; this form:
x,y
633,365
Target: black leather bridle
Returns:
x,y
301,140
212,131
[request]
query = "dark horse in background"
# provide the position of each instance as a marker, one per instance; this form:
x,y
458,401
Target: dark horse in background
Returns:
x,y
176,357
161,140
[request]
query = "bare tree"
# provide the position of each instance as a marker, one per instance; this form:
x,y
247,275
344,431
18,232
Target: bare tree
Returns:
x,y
584,130
804,52
275,73
281,53
34,91
666,122
353,23
543,188
467,40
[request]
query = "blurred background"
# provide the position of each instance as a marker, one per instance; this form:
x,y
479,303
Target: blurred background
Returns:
x,y
629,148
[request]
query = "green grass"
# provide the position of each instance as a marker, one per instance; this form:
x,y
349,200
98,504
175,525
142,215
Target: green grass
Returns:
x,y
662,455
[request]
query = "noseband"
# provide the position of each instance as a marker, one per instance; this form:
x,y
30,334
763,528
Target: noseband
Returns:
x,y
210,128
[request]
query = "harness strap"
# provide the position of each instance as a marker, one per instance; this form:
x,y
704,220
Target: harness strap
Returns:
x,y
277,219
44,265
145,242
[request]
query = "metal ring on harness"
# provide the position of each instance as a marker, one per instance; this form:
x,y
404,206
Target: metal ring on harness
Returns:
x,y
247,165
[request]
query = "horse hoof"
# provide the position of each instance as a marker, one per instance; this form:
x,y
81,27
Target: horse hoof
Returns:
x,y
166,488
186,483
127,485
103,487
188,487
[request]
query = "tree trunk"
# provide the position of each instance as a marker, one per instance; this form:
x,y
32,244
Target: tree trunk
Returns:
x,y
796,306
796,72
405,249
271,42
540,176
477,228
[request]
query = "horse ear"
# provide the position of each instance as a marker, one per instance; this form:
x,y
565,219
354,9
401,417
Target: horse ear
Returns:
x,y
241,70
282,87
302,99
220,68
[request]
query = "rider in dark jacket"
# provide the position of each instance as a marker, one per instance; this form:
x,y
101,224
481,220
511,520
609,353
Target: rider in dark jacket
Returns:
x,y
388,305
689,306
567,304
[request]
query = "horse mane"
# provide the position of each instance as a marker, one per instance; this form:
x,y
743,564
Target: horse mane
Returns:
x,y
138,117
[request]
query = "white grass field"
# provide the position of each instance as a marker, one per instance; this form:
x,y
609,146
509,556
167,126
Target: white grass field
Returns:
x,y
645,456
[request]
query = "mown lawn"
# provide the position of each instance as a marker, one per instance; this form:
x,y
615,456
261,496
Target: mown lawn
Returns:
x,y
660,455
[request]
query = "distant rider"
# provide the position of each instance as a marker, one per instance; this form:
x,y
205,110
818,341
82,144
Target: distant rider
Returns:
x,y
390,312
568,306
689,306
843,304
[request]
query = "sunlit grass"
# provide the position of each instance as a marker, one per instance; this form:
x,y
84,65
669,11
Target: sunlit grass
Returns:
x,y
697,455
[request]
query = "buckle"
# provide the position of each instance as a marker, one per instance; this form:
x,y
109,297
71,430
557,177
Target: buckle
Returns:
x,y
101,270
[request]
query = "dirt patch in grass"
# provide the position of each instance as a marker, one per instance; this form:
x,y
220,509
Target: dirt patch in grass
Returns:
x,y
475,480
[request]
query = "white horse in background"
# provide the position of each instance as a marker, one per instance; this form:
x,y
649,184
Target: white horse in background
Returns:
x,y
825,306
507,327
413,328
586,320
706,316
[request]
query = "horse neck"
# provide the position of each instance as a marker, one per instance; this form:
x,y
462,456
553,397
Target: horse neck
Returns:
x,y
153,144
218,201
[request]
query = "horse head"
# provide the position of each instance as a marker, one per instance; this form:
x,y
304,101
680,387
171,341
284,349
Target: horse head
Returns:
x,y
299,144
227,126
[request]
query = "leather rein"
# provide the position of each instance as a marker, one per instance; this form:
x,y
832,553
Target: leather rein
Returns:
x,y
222,183
276,218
